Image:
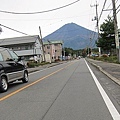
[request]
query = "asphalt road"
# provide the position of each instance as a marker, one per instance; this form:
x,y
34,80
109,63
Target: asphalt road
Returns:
x,y
68,91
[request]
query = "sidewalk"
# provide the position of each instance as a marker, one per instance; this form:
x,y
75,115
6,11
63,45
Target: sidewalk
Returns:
x,y
112,70
30,70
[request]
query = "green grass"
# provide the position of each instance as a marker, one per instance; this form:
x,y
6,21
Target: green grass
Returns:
x,y
111,59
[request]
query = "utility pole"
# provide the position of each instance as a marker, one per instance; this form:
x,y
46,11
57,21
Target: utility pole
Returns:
x,y
97,25
63,50
116,30
42,44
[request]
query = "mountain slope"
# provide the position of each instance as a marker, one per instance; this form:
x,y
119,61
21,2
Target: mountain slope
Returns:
x,y
74,36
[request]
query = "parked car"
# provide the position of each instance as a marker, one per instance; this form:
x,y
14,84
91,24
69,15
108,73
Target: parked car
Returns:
x,y
12,68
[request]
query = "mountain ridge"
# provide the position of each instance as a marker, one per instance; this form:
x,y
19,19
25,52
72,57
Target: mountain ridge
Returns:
x,y
74,36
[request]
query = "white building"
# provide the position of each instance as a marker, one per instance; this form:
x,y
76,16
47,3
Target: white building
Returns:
x,y
26,46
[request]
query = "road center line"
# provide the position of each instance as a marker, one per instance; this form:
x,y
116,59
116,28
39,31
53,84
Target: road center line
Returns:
x,y
15,92
113,111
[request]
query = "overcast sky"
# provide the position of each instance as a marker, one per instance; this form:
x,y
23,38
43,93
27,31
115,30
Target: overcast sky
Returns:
x,y
80,13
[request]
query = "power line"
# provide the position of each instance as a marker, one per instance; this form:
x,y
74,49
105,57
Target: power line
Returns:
x,y
111,4
118,11
17,31
118,7
33,36
112,9
13,29
108,9
102,10
9,12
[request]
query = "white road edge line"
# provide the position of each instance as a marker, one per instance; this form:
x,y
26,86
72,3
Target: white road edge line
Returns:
x,y
113,111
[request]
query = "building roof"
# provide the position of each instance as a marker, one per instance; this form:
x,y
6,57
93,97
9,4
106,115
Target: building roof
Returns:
x,y
18,40
52,42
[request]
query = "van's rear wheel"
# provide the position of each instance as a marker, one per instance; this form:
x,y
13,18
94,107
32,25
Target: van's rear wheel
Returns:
x,y
3,84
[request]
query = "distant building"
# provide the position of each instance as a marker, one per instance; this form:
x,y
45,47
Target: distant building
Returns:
x,y
26,46
54,49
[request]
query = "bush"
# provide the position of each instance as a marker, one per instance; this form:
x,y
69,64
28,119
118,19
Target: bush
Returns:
x,y
112,59
32,64
104,55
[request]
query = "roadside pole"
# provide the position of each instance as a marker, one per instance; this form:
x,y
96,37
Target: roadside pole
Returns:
x,y
116,30
42,44
97,25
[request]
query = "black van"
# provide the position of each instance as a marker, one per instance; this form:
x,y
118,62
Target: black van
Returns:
x,y
12,68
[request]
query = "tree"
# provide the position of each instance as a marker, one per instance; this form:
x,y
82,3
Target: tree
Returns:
x,y
88,51
68,51
106,37
84,53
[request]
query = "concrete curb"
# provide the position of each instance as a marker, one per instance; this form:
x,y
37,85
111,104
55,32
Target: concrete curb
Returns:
x,y
30,70
106,73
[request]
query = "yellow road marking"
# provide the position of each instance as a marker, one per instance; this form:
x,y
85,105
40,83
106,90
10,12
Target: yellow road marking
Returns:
x,y
15,92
